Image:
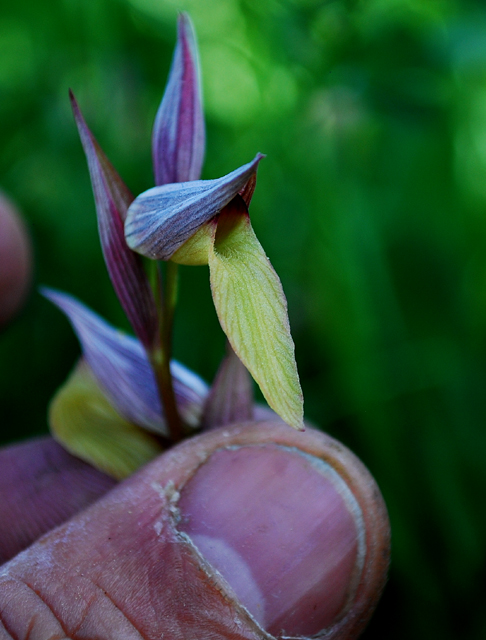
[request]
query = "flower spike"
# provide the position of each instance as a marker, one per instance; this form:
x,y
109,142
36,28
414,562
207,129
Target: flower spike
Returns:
x,y
121,367
178,139
125,268
162,219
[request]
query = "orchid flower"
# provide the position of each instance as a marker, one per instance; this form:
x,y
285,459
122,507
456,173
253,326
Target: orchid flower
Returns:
x,y
196,222
127,397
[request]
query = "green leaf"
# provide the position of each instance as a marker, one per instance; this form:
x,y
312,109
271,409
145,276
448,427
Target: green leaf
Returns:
x,y
252,311
84,422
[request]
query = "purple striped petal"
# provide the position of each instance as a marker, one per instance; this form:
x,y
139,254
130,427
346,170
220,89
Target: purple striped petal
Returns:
x,y
121,367
125,267
161,219
178,138
230,399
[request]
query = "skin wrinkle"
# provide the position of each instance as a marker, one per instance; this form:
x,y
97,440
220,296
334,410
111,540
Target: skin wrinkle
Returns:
x,y
5,633
106,595
49,561
10,630
44,602
89,604
78,631
30,627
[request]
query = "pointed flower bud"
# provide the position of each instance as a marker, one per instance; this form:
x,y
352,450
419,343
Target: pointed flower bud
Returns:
x,y
178,138
121,367
125,268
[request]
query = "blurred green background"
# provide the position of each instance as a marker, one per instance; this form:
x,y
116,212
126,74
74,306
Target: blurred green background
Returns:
x,y
371,205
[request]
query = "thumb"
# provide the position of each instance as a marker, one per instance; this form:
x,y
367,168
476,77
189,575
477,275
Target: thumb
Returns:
x,y
250,531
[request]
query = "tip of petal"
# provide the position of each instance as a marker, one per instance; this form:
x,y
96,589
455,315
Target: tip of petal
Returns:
x,y
183,21
47,292
75,107
84,132
178,138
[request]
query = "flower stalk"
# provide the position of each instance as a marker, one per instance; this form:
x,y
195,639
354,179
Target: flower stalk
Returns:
x,y
161,353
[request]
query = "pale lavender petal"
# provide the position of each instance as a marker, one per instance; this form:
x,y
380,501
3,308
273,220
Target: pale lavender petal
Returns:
x,y
120,365
125,267
161,219
178,138
230,398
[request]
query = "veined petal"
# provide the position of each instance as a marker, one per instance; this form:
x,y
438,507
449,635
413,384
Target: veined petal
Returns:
x,y
86,424
161,219
125,267
230,399
121,367
252,311
178,138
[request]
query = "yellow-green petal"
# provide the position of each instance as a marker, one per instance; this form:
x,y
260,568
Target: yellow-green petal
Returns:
x,y
252,311
85,423
194,252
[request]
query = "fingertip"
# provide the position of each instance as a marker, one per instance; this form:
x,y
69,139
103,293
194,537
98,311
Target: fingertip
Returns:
x,y
41,486
15,261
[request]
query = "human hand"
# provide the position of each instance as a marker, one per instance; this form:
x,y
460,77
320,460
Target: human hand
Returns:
x,y
251,515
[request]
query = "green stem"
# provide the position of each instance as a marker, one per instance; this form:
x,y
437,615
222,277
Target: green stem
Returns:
x,y
153,272
161,365
160,357
170,300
